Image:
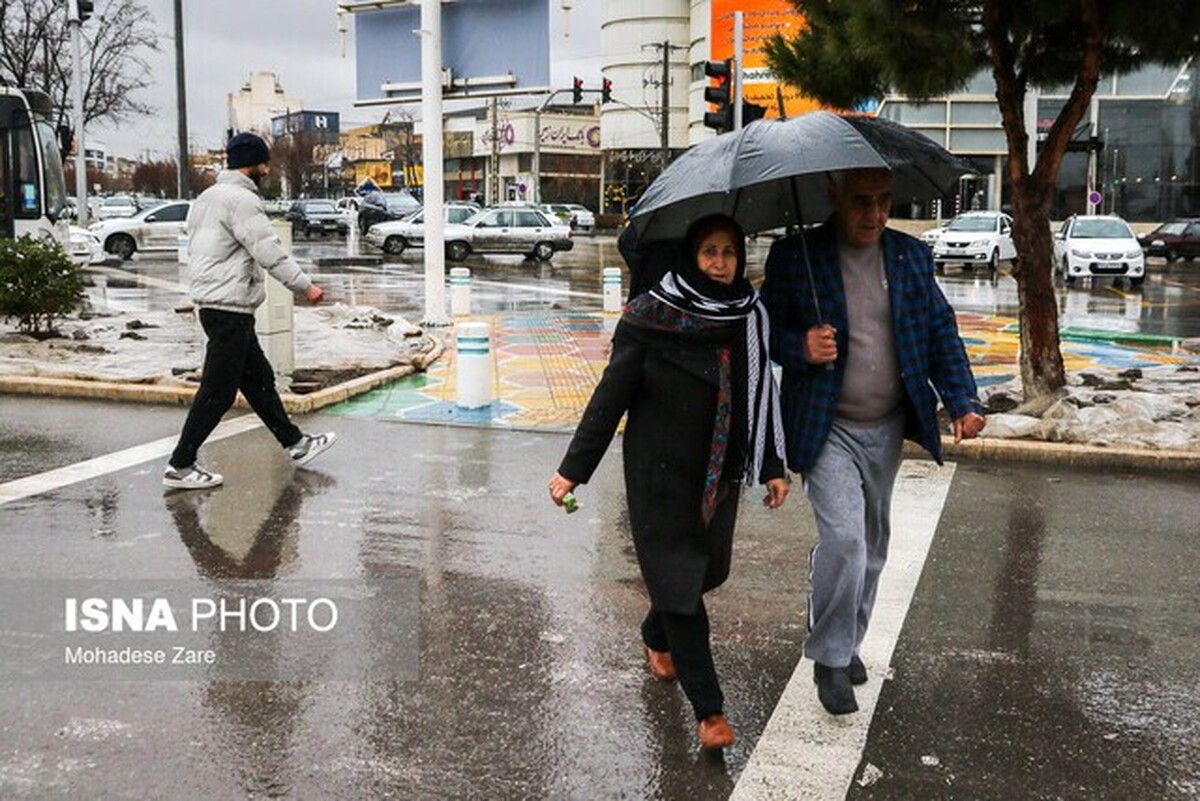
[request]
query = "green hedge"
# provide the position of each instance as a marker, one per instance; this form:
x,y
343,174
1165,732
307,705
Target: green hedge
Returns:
x,y
38,284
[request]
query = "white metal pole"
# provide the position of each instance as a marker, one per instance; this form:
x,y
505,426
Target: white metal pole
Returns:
x,y
537,154
737,71
431,154
80,158
1094,130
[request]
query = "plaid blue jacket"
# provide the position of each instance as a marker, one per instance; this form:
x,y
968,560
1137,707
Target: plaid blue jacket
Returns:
x,y
929,350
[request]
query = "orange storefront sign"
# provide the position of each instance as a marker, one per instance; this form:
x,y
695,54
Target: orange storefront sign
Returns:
x,y
761,19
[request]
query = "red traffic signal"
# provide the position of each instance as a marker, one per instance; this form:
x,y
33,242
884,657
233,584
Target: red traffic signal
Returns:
x,y
721,118
577,91
606,91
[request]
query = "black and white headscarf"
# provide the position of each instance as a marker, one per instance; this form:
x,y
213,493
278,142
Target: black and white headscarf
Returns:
x,y
762,405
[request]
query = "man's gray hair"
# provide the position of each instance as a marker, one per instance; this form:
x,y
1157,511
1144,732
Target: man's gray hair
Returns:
x,y
837,178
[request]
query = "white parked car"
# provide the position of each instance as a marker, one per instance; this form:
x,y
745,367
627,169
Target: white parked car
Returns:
x,y
85,247
1098,246
154,229
930,236
397,235
508,230
580,218
975,237
111,208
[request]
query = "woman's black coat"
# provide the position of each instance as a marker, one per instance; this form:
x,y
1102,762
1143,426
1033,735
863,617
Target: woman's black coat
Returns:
x,y
669,383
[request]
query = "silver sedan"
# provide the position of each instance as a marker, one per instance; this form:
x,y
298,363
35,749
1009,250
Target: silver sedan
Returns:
x,y
508,230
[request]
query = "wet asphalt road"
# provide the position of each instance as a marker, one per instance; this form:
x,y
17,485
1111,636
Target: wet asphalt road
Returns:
x,y
1053,647
531,679
1050,652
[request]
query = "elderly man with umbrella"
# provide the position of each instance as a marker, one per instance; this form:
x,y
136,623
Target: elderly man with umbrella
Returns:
x,y
864,335
862,331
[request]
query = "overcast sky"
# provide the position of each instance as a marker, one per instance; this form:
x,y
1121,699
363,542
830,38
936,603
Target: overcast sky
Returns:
x,y
226,40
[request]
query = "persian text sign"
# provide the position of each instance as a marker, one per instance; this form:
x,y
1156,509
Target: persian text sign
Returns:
x,y
761,19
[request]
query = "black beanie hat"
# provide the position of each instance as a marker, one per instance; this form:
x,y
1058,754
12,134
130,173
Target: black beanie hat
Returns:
x,y
246,150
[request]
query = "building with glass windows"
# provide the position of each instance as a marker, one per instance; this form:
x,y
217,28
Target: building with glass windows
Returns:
x,y
1146,125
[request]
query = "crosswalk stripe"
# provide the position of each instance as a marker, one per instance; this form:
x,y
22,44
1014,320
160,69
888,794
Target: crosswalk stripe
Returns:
x,y
110,463
805,753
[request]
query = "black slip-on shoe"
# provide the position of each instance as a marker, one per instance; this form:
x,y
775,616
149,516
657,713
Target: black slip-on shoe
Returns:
x,y
857,671
834,690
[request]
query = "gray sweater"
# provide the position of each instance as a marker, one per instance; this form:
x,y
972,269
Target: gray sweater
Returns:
x,y
230,243
871,388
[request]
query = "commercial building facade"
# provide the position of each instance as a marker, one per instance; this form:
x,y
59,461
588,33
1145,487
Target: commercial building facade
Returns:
x,y
1146,123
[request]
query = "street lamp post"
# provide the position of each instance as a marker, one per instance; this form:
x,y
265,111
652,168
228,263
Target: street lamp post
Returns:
x,y
181,103
75,22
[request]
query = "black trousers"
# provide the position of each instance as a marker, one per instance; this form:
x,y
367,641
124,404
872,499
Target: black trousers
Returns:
x,y
233,360
686,637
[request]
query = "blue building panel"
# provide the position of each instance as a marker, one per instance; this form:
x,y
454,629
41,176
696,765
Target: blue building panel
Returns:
x,y
325,124
480,38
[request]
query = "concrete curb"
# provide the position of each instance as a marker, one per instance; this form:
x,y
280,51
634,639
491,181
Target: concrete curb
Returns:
x,y
182,395
1063,453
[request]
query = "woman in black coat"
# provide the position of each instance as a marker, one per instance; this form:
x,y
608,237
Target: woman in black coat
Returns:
x,y
689,364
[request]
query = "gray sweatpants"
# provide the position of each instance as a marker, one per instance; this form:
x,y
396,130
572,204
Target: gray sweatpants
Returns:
x,y
850,489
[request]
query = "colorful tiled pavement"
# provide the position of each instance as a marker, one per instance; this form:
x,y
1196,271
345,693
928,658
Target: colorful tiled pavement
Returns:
x,y
545,365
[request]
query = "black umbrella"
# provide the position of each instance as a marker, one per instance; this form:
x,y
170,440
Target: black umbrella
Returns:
x,y
772,174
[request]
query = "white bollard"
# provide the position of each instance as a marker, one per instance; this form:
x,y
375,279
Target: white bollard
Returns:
x,y
460,292
474,355
612,289
181,247
352,234
274,319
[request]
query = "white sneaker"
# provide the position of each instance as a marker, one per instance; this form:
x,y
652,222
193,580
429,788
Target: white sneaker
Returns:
x,y
194,477
310,447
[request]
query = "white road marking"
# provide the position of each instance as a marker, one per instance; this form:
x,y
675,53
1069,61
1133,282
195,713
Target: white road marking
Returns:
x,y
805,753
110,463
142,280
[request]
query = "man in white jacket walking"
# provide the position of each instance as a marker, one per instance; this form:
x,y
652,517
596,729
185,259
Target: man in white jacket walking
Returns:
x,y
230,243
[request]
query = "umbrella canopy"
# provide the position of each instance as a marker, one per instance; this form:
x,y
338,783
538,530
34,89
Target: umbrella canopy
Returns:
x,y
771,174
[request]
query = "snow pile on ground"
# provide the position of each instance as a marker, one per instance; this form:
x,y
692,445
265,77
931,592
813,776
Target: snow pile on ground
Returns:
x,y
158,347
1155,407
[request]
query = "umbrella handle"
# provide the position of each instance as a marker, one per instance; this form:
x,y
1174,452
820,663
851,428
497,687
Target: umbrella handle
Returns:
x,y
812,284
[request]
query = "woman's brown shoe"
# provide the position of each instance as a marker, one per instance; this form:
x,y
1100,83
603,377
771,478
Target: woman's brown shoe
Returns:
x,y
715,732
662,666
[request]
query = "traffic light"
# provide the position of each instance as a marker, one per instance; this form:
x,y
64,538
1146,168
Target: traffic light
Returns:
x,y
752,112
577,91
1093,144
721,119
606,91
80,10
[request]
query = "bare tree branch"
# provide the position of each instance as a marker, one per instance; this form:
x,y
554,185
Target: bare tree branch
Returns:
x,y
35,52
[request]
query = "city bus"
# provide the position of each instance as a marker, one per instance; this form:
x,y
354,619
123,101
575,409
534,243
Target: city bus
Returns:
x,y
33,191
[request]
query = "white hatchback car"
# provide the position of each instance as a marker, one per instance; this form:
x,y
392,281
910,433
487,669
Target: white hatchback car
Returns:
x,y
1098,246
153,229
975,237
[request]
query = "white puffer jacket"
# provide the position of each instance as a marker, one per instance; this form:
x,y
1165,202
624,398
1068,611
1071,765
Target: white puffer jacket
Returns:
x,y
230,243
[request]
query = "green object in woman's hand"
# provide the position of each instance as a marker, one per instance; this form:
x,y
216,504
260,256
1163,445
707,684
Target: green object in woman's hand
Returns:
x,y
569,503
